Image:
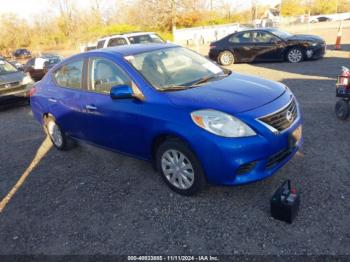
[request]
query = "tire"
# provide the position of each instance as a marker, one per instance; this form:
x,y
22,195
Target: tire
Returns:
x,y
342,109
295,55
57,136
226,58
184,181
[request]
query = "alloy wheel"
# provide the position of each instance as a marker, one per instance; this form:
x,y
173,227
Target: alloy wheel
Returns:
x,y
295,55
226,58
177,169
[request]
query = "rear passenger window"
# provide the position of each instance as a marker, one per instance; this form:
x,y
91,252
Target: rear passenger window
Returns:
x,y
117,41
70,75
105,74
240,38
101,43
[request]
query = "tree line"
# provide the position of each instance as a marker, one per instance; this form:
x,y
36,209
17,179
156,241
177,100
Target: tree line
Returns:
x,y
66,25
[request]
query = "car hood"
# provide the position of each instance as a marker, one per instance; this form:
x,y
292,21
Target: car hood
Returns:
x,y
11,77
312,38
234,94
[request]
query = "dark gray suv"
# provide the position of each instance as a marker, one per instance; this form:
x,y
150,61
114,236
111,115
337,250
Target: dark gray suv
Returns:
x,y
14,84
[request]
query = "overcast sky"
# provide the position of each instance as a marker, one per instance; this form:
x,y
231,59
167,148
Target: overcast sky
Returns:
x,y
28,8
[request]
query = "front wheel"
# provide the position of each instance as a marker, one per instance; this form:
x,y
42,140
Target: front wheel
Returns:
x,y
295,55
342,109
180,168
226,58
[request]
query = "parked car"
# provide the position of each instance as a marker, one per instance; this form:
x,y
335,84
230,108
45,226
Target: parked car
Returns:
x,y
14,84
37,67
266,45
128,39
22,53
198,123
17,64
320,19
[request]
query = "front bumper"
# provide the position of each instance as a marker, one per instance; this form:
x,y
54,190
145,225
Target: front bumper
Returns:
x,y
12,95
234,161
316,52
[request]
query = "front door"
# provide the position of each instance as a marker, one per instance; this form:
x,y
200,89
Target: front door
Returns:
x,y
112,123
267,46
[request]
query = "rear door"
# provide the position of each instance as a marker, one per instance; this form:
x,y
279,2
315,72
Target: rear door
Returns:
x,y
66,96
242,46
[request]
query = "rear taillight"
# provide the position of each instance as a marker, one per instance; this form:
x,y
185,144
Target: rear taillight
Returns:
x,y
212,46
32,91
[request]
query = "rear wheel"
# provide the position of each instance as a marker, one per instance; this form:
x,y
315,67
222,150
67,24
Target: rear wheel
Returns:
x,y
57,136
295,55
342,109
226,58
180,168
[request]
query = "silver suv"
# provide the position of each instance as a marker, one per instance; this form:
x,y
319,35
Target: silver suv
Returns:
x,y
128,39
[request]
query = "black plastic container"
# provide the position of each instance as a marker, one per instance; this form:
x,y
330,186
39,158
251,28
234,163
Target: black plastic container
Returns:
x,y
285,203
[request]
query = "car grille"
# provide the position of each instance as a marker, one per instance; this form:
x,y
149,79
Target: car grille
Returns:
x,y
277,158
9,85
283,118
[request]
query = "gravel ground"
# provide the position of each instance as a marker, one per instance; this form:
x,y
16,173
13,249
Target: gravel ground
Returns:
x,y
91,201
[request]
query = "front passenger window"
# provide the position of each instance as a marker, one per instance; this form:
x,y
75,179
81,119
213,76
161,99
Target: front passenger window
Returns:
x,y
105,74
263,37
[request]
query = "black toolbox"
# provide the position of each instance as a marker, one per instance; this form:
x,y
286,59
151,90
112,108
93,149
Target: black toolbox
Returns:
x,y
285,203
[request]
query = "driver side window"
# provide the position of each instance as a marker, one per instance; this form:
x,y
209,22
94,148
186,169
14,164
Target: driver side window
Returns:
x,y
105,74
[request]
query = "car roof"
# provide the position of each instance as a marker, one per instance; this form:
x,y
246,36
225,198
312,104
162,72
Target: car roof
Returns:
x,y
126,50
269,29
125,35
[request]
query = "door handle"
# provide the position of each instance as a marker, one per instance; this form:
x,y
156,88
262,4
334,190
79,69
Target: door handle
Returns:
x,y
52,100
91,107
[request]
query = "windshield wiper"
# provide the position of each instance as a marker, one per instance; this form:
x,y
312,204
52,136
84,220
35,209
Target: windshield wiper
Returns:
x,y
204,79
211,77
173,88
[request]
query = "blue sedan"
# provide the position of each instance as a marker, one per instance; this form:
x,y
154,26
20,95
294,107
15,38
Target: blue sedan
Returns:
x,y
197,122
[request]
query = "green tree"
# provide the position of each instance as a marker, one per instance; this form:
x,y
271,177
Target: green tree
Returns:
x,y
292,7
324,7
343,6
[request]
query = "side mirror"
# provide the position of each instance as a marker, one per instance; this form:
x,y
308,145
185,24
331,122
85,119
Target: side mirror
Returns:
x,y
121,92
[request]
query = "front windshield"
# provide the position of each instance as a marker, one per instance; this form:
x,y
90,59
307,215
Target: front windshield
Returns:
x,y
174,67
6,68
281,34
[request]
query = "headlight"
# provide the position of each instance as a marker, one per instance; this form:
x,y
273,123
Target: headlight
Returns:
x,y
221,124
27,80
314,44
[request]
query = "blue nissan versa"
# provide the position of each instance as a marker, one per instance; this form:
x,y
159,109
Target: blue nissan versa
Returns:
x,y
198,123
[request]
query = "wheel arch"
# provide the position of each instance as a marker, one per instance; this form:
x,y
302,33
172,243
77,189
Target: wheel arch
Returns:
x,y
161,138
